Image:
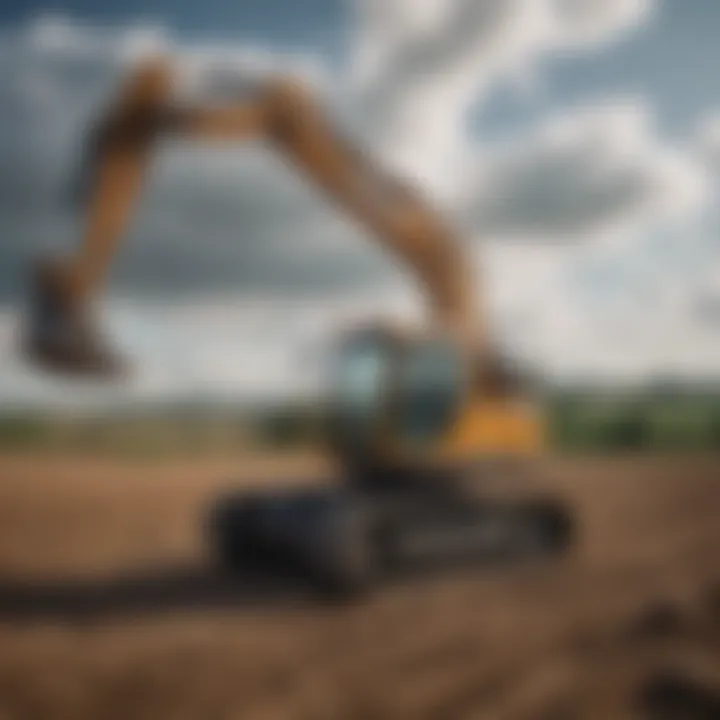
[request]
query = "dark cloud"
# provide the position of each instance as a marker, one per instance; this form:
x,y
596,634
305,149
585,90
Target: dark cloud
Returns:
x,y
588,173
209,219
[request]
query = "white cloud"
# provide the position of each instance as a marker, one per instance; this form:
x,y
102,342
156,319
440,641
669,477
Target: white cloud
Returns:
x,y
615,312
60,38
583,22
422,66
599,172
242,347
708,140
239,225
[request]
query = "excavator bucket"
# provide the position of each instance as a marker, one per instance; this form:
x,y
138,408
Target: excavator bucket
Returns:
x,y
61,335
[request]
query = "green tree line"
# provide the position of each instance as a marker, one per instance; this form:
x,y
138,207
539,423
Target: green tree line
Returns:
x,y
590,422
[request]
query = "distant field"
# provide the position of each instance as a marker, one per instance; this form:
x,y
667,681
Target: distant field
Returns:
x,y
109,607
576,423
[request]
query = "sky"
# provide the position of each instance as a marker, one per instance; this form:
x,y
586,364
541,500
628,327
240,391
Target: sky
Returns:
x,y
575,144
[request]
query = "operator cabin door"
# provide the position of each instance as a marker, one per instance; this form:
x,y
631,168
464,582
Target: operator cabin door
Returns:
x,y
431,394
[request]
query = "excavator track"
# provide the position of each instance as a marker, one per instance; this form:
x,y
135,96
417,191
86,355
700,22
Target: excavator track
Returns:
x,y
349,540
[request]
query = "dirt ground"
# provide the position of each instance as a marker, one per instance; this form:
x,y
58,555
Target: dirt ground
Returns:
x,y
109,607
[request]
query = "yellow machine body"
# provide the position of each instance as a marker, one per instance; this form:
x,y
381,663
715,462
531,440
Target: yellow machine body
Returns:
x,y
496,428
467,423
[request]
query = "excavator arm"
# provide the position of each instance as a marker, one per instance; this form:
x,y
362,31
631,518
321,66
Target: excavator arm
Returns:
x,y
283,113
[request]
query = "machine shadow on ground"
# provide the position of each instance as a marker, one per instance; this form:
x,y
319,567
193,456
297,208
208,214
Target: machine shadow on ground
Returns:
x,y
205,587
170,588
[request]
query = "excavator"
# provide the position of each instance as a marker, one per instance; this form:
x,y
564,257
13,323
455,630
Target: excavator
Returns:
x,y
418,419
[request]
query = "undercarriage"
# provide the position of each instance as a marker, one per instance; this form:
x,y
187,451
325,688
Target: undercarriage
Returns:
x,y
347,538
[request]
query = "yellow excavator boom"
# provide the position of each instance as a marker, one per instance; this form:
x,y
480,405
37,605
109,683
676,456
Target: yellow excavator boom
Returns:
x,y
284,113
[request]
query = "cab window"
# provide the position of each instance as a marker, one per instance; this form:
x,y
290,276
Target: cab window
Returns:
x,y
431,385
360,390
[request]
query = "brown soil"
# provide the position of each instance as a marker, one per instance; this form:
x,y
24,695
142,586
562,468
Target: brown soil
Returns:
x,y
110,609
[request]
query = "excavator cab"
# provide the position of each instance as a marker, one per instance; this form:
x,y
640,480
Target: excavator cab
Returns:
x,y
405,405
392,391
